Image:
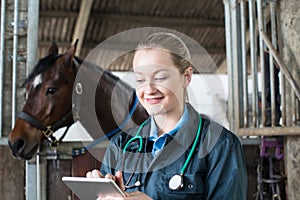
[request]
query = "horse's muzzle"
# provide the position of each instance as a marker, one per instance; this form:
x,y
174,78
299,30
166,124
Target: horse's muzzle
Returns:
x,y
18,149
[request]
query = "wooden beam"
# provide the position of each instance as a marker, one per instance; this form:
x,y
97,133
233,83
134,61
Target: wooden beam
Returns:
x,y
124,46
162,21
142,19
58,14
81,24
269,131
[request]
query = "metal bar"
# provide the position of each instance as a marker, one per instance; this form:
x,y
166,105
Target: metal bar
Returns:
x,y
272,87
2,47
227,11
272,69
236,63
294,114
244,63
41,176
297,113
31,178
38,177
281,64
3,141
283,98
32,37
253,61
269,131
15,61
262,62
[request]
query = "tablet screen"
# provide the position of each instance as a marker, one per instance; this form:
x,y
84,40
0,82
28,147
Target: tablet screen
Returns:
x,y
91,188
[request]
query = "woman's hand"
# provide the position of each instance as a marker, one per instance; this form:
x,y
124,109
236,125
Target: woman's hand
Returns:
x,y
118,178
137,195
94,174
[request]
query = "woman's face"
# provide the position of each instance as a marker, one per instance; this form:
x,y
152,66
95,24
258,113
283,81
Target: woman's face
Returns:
x,y
159,84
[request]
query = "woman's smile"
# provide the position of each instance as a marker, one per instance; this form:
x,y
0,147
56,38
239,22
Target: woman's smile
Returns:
x,y
154,100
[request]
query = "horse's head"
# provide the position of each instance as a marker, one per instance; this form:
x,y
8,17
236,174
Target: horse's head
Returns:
x,y
49,102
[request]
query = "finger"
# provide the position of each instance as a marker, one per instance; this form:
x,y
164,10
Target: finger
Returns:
x,y
119,180
97,174
131,194
89,174
110,176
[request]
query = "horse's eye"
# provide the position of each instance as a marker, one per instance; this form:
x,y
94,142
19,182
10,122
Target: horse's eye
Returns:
x,y
51,90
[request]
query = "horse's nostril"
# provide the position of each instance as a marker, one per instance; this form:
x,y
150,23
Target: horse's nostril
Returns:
x,y
20,144
17,145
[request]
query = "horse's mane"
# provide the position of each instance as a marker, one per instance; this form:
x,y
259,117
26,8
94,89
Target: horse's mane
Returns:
x,y
48,61
41,66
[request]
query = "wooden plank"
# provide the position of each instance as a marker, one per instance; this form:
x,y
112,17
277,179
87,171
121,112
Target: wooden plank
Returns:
x,y
269,131
81,23
11,176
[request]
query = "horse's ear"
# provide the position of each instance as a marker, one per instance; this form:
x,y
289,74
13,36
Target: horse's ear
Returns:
x,y
53,49
69,55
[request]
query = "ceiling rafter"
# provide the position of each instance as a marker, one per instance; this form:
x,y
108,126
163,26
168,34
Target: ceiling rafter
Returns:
x,y
151,20
123,46
81,24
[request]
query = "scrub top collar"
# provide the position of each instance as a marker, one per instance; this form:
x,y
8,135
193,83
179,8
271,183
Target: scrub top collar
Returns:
x,y
153,128
185,135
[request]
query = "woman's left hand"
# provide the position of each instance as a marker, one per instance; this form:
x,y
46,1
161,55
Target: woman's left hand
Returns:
x,y
137,195
129,196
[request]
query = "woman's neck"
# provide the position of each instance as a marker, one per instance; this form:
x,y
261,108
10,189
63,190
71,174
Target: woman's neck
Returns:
x,y
166,122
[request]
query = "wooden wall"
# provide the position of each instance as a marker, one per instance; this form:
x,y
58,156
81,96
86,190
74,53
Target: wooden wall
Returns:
x,y
289,21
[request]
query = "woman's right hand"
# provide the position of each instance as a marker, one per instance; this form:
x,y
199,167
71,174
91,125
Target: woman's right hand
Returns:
x,y
94,174
118,178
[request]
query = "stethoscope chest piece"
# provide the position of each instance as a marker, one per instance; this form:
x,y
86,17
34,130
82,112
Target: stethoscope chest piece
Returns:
x,y
176,182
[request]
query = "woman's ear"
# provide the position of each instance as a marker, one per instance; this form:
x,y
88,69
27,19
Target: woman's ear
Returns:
x,y
187,75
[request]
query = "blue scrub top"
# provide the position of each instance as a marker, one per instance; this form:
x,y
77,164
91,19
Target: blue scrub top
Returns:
x,y
216,170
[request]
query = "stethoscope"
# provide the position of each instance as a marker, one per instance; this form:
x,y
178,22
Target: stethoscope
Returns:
x,y
176,181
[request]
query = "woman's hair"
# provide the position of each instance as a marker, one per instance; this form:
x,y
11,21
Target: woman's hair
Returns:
x,y
180,54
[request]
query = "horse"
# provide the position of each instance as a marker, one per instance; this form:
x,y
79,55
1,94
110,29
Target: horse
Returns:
x,y
48,105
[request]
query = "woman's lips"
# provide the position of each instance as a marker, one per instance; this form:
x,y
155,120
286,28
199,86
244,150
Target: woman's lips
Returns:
x,y
154,100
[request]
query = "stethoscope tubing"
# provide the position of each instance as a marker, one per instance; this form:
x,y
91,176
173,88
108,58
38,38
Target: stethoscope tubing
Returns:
x,y
182,170
193,148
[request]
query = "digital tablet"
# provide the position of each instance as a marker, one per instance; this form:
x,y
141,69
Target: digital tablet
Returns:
x,y
90,188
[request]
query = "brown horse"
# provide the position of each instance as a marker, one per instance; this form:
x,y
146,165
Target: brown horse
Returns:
x,y
48,106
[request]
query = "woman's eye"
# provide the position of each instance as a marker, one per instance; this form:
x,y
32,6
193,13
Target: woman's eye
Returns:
x,y
160,78
139,81
51,91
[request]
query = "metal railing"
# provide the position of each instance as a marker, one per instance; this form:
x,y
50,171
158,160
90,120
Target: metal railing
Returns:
x,y
259,79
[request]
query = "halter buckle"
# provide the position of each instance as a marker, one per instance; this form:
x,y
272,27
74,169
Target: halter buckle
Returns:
x,y
48,132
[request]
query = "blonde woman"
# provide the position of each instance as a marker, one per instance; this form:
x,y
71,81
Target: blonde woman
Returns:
x,y
177,153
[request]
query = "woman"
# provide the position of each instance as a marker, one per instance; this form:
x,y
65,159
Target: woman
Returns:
x,y
177,153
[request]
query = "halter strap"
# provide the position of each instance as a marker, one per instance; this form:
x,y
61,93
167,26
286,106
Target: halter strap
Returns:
x,y
47,130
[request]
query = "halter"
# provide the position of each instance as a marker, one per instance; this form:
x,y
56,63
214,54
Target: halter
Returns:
x,y
50,129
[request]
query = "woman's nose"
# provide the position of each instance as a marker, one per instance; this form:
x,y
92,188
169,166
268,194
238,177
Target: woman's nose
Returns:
x,y
150,88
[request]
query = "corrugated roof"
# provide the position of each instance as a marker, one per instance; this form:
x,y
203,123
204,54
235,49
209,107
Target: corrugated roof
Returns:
x,y
201,20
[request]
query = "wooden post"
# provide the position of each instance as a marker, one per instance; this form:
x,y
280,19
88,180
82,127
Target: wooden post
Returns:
x,y
81,23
